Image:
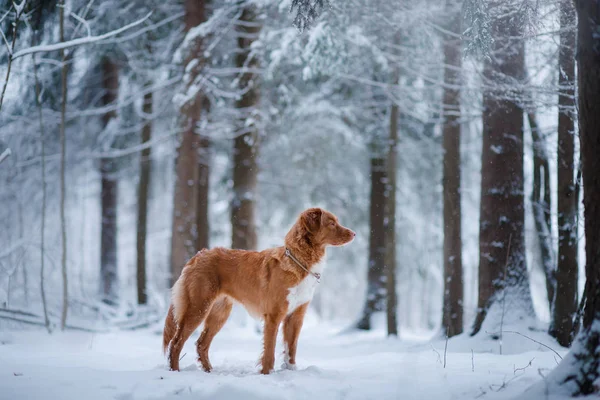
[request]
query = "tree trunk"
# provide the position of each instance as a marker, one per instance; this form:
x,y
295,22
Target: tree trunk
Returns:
x,y
63,222
184,233
587,354
202,222
540,201
502,264
452,315
109,191
143,189
246,144
567,271
43,179
375,277
390,226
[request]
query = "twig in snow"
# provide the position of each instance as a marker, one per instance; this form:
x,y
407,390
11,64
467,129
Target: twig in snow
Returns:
x,y
446,348
546,388
482,393
181,358
472,361
438,354
515,376
515,369
535,341
500,387
5,154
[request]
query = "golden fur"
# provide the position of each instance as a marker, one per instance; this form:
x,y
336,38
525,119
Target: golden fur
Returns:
x,y
260,281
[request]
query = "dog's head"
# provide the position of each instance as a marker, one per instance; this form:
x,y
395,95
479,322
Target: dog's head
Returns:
x,y
324,228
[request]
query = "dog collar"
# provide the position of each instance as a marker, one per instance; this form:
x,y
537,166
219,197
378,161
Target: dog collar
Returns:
x,y
315,274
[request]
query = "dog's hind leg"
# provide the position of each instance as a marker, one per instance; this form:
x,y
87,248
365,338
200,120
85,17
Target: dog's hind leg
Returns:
x,y
219,313
193,317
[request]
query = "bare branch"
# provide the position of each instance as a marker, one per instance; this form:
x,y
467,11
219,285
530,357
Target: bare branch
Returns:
x,y
5,154
11,48
79,41
82,22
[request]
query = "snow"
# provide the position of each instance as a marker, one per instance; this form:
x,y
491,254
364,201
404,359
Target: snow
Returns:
x,y
331,365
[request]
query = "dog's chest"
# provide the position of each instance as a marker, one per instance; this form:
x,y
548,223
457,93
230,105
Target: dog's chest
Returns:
x,y
304,291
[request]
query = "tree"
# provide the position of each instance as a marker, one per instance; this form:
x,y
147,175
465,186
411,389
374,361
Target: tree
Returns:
x,y
376,272
63,222
246,143
452,313
567,271
187,185
202,220
380,127
502,267
109,188
44,191
143,189
540,200
390,223
585,360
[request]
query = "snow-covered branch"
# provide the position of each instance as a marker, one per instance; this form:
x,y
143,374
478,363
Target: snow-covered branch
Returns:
x,y
5,154
78,41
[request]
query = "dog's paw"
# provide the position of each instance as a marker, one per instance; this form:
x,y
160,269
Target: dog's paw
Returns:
x,y
289,366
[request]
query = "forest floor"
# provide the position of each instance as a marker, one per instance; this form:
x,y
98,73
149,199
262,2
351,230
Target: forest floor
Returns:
x,y
331,365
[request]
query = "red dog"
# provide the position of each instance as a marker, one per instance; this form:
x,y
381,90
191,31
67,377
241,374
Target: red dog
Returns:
x,y
274,284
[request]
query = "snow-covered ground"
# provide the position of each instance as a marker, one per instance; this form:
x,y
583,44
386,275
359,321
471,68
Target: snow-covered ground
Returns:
x,y
332,365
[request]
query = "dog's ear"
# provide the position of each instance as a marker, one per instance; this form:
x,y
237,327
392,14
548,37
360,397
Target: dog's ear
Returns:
x,y
311,219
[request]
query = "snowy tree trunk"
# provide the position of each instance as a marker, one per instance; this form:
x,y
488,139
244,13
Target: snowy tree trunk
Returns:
x,y
375,275
390,225
246,144
540,201
567,271
44,191
587,352
452,315
185,216
109,191
63,155
202,220
143,189
503,280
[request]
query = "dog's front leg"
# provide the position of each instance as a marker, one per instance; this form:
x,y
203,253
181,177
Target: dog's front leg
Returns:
x,y
291,332
272,322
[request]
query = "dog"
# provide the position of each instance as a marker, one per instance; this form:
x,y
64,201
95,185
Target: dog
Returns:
x,y
275,285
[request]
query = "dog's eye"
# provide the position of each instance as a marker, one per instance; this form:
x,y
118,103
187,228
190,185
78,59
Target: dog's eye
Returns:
x,y
332,224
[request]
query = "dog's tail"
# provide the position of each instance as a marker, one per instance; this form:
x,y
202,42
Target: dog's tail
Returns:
x,y
177,309
179,305
170,328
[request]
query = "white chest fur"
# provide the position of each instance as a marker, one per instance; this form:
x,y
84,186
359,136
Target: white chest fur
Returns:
x,y
304,291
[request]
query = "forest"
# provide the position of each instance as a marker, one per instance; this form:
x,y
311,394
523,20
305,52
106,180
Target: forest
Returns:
x,y
459,140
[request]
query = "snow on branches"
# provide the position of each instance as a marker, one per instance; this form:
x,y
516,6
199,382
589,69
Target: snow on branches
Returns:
x,y
477,36
307,11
